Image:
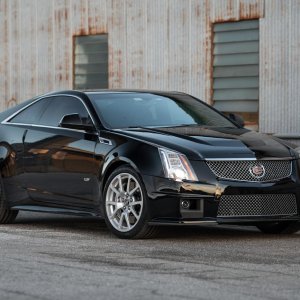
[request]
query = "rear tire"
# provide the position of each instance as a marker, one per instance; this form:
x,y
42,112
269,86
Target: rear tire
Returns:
x,y
6,214
279,227
125,205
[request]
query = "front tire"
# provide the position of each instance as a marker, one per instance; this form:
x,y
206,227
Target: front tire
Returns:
x,y
125,205
6,214
279,227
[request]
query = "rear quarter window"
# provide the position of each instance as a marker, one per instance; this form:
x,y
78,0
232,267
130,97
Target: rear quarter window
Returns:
x,y
31,114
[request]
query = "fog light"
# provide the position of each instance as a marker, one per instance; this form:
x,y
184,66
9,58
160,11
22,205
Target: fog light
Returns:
x,y
185,204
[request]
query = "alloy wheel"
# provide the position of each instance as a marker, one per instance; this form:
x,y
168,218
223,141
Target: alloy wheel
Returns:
x,y
124,202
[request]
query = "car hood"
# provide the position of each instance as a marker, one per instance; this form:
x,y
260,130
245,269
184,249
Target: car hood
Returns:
x,y
198,142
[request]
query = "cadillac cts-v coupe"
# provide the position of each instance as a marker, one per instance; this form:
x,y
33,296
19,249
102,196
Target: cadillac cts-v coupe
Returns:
x,y
141,159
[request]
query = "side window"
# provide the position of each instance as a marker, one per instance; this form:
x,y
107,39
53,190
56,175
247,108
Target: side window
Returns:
x,y
61,106
31,114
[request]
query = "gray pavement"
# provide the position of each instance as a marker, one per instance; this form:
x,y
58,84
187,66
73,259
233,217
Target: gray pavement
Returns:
x,y
56,257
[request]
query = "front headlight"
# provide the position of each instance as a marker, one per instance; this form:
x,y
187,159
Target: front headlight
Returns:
x,y
176,165
298,151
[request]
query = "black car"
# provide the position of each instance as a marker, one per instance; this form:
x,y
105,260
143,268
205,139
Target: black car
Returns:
x,y
141,159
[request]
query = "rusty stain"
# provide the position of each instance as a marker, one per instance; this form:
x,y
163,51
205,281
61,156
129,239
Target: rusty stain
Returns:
x,y
250,11
11,102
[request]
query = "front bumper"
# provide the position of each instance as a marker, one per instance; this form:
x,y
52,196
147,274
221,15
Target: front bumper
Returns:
x,y
165,198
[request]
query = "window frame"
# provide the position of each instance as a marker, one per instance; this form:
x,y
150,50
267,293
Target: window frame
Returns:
x,y
7,120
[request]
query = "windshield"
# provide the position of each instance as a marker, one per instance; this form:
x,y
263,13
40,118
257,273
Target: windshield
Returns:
x,y
124,110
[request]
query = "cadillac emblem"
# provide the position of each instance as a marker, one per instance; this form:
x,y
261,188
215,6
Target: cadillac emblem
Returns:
x,y
257,171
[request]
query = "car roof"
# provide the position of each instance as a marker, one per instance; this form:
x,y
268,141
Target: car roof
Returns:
x,y
117,91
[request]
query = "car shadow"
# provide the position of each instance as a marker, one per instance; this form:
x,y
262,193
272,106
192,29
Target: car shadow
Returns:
x,y
97,226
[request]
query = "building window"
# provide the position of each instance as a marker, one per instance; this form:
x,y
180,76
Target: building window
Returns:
x,y
236,69
91,62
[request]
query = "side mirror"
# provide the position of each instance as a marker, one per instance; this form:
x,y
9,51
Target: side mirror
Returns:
x,y
73,121
237,119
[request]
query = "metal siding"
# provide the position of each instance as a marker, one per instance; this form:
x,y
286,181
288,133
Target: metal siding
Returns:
x,y
280,68
135,33
62,45
45,51
117,20
161,44
157,42
179,48
200,45
14,53
4,57
27,49
97,16
36,48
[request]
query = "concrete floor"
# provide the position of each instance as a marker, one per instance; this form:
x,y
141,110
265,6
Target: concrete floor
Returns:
x,y
56,257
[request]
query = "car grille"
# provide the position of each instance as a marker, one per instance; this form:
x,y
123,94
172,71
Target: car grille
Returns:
x,y
240,170
257,205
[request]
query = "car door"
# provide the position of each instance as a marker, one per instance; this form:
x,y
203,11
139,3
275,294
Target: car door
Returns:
x,y
60,163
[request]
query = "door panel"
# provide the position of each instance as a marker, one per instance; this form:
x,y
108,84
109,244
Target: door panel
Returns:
x,y
61,167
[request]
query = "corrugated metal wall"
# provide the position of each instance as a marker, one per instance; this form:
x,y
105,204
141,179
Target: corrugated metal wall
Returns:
x,y
159,44
280,68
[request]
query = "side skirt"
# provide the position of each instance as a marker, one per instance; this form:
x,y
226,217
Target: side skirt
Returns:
x,y
56,210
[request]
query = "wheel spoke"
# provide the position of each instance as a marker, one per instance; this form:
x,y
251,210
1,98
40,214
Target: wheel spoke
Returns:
x,y
115,190
121,220
134,190
136,203
114,213
134,213
120,184
128,184
127,220
111,202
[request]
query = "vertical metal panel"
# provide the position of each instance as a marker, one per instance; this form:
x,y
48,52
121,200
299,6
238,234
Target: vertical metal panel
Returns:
x,y
200,44
97,16
179,46
4,57
251,9
280,67
136,32
62,45
157,44
224,10
117,19
14,53
235,10
79,17
27,47
45,49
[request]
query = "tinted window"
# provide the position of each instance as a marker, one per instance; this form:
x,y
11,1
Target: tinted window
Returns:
x,y
8,112
145,109
32,114
61,106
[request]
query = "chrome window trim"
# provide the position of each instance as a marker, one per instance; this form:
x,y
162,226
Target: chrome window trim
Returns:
x,y
6,121
44,126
